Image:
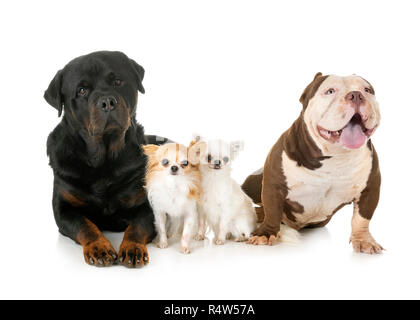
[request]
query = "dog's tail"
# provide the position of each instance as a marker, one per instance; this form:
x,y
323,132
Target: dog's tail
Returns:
x,y
288,235
252,187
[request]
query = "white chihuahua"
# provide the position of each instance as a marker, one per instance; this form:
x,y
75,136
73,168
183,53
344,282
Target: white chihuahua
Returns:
x,y
223,204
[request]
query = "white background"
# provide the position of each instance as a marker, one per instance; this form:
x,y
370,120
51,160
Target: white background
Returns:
x,y
230,69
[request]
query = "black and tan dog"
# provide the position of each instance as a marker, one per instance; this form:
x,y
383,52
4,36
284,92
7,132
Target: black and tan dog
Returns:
x,y
323,162
97,159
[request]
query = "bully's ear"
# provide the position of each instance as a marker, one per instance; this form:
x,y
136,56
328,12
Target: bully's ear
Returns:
x,y
139,74
195,150
235,148
150,149
311,89
53,94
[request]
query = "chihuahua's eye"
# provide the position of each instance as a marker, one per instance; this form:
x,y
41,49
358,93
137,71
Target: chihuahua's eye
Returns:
x,y
368,90
184,163
82,91
225,159
209,158
330,91
117,83
165,162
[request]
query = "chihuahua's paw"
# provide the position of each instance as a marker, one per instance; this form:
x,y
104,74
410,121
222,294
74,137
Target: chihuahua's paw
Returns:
x,y
366,244
185,250
162,244
199,237
219,241
262,240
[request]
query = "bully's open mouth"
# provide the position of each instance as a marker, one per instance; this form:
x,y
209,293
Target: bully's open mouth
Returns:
x,y
353,135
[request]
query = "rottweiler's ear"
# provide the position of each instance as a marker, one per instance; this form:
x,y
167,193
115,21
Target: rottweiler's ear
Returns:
x,y
53,93
140,75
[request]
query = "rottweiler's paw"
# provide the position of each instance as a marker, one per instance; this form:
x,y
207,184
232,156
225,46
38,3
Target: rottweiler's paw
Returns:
x,y
133,254
262,240
366,244
100,253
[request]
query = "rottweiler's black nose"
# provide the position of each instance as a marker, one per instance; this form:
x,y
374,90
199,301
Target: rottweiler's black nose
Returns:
x,y
107,103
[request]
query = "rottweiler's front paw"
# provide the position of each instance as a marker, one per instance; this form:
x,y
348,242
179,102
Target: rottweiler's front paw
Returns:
x,y
133,254
100,253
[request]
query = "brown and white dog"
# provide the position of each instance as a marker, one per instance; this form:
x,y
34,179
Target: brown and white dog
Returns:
x,y
323,162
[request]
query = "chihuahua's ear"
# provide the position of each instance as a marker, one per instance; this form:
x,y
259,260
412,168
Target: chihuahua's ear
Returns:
x,y
139,74
195,138
150,149
196,150
235,148
53,94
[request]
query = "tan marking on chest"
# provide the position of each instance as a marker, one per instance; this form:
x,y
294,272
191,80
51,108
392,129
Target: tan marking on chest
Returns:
x,y
341,179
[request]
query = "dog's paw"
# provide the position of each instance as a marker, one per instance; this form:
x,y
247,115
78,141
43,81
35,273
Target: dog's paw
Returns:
x,y
366,244
199,237
133,254
219,241
162,244
100,253
262,240
241,238
185,250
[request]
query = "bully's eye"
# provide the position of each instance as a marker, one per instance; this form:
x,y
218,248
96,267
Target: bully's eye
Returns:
x,y
184,163
225,159
117,83
209,158
330,91
82,91
368,90
165,162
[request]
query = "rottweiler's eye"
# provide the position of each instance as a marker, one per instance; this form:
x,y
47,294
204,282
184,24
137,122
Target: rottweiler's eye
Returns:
x,y
82,91
368,90
330,91
209,158
165,162
117,83
225,159
184,163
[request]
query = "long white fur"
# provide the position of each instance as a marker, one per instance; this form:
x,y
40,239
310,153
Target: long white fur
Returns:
x,y
224,206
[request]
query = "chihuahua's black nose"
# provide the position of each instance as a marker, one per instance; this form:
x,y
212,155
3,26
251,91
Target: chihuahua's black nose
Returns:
x,y
217,162
107,103
174,169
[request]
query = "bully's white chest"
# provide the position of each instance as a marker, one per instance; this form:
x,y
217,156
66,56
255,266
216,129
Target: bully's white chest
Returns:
x,y
341,179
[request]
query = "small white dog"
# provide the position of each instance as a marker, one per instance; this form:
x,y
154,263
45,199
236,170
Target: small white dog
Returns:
x,y
223,204
173,189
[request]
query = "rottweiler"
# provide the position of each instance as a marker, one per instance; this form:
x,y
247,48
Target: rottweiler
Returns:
x,y
97,158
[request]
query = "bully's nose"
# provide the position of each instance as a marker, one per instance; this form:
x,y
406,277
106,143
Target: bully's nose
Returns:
x,y
174,169
356,97
107,103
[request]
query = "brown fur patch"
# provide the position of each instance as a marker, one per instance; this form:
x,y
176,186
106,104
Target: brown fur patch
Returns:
x,y
311,89
71,198
135,199
369,197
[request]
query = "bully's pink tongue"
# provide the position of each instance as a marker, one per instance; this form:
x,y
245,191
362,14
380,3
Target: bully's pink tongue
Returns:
x,y
352,136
